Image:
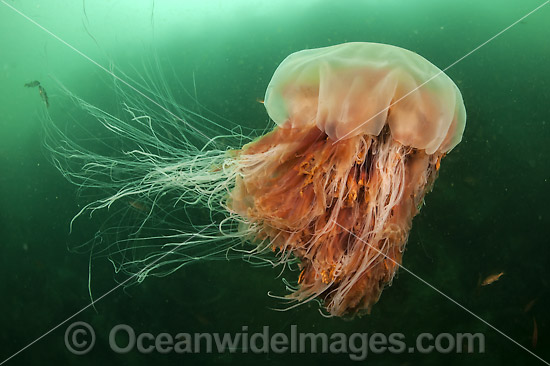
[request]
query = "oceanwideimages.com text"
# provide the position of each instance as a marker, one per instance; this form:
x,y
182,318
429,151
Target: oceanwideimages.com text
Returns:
x,y
80,339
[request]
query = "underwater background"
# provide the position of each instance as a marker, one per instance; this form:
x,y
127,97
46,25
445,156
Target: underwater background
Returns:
x,y
487,213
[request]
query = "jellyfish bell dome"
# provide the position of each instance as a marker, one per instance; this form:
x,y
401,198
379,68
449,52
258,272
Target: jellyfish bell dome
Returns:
x,y
357,88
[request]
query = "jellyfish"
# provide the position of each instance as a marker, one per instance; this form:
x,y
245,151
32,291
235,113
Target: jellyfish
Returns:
x,y
329,193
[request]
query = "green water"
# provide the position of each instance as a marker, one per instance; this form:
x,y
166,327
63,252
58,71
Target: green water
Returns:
x,y
487,212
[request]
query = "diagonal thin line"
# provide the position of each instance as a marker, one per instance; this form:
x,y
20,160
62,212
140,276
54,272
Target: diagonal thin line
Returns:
x,y
102,296
445,295
442,71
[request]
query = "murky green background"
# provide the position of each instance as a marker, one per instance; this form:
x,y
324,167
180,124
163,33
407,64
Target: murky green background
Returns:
x,y
488,211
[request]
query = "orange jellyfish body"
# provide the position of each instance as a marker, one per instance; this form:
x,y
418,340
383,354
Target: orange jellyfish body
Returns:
x,y
362,128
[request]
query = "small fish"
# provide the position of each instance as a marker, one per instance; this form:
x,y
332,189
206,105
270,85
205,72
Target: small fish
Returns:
x,y
492,278
43,95
32,84
535,336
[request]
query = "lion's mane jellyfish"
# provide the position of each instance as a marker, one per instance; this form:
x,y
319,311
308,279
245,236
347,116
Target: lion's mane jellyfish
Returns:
x,y
331,191
358,144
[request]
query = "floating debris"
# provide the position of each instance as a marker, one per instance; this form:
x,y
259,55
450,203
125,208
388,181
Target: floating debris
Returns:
x,y
41,90
535,336
32,84
43,95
